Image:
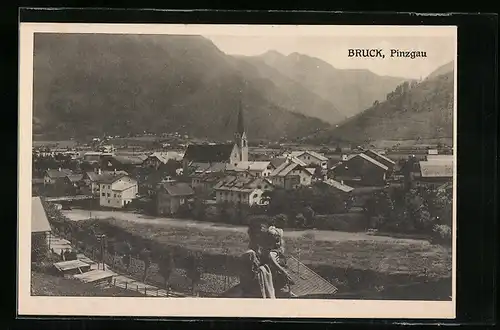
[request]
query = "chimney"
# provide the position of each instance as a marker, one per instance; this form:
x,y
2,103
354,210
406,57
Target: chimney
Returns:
x,y
59,169
99,171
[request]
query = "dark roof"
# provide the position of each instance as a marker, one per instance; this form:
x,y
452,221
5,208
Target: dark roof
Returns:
x,y
242,184
276,162
380,158
206,153
177,188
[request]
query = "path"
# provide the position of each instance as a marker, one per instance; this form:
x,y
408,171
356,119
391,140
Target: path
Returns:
x,y
122,281
319,235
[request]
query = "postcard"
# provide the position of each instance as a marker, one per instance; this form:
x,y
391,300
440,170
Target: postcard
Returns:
x,y
289,171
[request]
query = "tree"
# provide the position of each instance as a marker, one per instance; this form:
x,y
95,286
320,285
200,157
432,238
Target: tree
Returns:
x,y
280,220
166,267
308,213
194,270
145,256
300,221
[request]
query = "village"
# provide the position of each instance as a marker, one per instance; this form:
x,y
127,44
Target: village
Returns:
x,y
296,188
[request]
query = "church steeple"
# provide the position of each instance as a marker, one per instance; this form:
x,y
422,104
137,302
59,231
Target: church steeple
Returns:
x,y
241,136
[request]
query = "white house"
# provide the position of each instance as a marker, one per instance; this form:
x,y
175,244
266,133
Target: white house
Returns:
x,y
117,190
256,168
238,189
290,175
310,158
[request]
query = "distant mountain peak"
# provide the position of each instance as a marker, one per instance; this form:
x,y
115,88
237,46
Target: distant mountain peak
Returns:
x,y
272,54
443,69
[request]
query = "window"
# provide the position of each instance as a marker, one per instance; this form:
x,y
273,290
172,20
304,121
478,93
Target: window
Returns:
x,y
108,201
103,194
115,195
255,195
109,195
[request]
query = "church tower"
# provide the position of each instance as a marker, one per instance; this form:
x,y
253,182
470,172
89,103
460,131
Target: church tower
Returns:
x,y
241,137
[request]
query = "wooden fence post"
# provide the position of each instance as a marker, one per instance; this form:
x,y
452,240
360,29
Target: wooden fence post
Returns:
x,y
126,285
145,291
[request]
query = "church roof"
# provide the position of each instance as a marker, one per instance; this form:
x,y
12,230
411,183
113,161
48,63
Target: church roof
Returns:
x,y
209,153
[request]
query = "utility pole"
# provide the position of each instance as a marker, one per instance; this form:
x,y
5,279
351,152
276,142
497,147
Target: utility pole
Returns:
x,y
101,239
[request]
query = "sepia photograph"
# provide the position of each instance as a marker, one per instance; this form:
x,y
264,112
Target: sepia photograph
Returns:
x,y
232,170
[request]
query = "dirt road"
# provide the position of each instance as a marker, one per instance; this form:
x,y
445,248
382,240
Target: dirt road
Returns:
x,y
320,235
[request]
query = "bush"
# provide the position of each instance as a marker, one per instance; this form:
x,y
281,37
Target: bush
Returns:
x,y
280,221
39,247
442,233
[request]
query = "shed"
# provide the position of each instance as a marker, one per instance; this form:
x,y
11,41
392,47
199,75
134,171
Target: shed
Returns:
x,y
95,276
39,220
72,267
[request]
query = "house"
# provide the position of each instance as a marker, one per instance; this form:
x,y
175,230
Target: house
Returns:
x,y
40,228
149,185
171,195
310,158
255,168
434,173
277,161
360,170
205,182
117,190
122,163
90,180
69,184
51,176
227,153
290,175
381,159
240,190
156,159
95,156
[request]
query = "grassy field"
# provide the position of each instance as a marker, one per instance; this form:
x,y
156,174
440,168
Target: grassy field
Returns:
x,y
49,285
350,264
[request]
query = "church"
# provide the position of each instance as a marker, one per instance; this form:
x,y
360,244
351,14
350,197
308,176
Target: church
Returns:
x,y
216,157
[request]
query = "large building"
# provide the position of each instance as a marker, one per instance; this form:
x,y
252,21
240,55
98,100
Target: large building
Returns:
x,y
117,191
242,190
360,170
227,153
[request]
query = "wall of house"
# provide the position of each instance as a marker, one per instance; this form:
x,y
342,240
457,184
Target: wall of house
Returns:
x,y
223,196
361,171
167,205
112,198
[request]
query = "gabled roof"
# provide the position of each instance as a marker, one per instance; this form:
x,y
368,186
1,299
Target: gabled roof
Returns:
x,y
241,184
379,157
164,157
340,186
54,174
74,177
437,169
371,160
70,264
310,152
250,166
110,178
207,167
177,188
39,220
285,168
209,153
93,176
276,162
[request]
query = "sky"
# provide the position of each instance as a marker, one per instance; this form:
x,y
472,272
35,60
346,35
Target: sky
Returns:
x,y
334,50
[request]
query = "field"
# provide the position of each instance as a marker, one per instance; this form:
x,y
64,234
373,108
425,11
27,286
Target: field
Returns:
x,y
353,262
49,285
